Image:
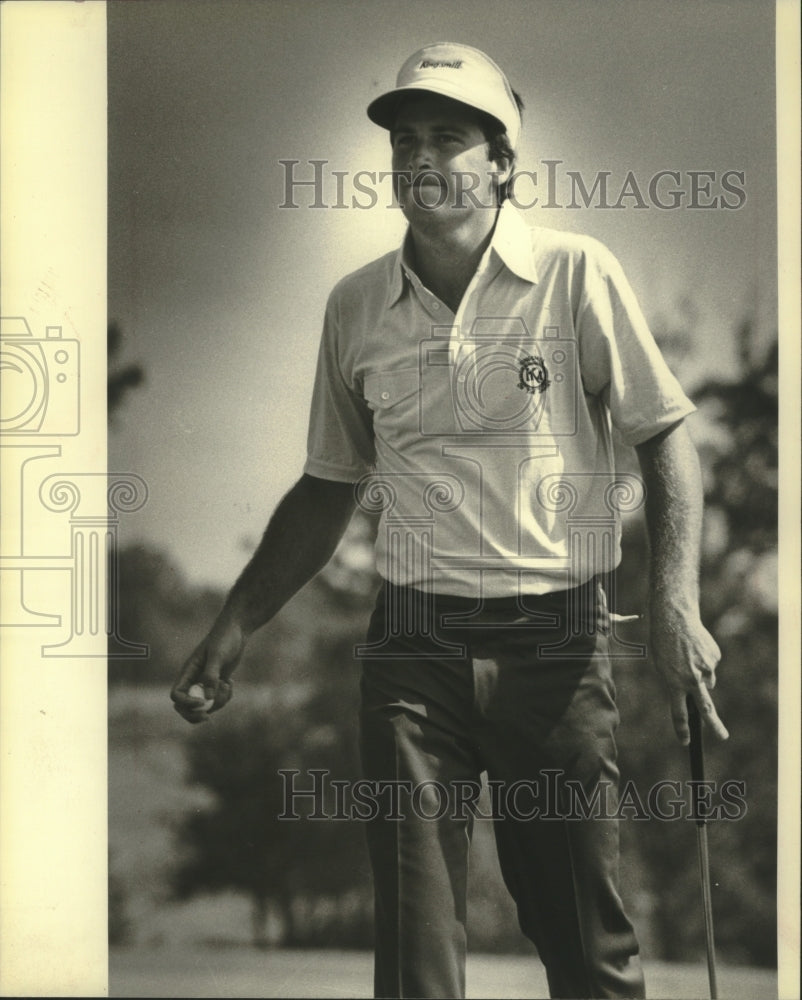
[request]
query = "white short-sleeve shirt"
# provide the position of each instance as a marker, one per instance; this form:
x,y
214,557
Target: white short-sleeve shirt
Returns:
x,y
485,436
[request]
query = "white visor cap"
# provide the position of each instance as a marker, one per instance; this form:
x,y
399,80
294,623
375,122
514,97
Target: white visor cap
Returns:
x,y
457,71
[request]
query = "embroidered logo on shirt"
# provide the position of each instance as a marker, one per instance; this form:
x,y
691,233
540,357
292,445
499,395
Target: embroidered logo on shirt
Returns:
x,y
533,375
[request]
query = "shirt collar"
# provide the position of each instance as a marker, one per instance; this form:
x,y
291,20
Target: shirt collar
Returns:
x,y
399,273
511,241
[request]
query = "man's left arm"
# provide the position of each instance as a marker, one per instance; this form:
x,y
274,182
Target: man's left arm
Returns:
x,y
682,649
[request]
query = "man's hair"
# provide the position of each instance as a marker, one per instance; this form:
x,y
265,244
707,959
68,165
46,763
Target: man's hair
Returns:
x,y
498,144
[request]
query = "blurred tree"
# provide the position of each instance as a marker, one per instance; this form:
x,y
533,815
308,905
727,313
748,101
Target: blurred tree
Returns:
x,y
119,923
311,873
735,431
121,377
159,608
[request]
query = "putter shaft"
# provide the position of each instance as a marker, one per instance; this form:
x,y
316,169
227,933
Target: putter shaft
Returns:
x,y
698,774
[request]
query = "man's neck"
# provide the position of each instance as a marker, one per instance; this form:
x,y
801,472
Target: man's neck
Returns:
x,y
445,259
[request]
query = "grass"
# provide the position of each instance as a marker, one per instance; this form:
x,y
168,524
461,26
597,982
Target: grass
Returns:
x,y
247,972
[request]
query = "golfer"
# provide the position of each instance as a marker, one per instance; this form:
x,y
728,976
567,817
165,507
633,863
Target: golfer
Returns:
x,y
468,383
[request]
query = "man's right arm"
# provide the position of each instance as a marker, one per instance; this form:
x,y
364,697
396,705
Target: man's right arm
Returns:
x,y
299,540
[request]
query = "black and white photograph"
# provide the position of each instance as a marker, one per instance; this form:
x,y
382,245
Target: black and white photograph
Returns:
x,y
430,566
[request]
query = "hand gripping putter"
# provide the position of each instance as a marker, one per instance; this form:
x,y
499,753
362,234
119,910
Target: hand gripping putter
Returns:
x,y
698,774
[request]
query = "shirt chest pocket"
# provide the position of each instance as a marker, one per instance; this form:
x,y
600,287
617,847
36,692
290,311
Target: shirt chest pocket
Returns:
x,y
385,391
393,397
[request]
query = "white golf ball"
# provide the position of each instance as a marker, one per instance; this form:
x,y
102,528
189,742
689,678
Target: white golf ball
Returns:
x,y
196,691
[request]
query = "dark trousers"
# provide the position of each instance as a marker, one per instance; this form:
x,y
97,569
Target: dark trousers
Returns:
x,y
522,689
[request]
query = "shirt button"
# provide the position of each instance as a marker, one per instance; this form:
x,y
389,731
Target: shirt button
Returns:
x,y
385,395
435,305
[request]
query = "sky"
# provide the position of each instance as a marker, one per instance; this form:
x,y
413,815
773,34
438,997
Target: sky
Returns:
x,y
220,291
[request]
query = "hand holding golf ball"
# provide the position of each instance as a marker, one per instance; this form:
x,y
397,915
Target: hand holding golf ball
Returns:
x,y
196,691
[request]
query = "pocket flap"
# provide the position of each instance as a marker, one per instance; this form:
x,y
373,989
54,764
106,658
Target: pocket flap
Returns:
x,y
385,389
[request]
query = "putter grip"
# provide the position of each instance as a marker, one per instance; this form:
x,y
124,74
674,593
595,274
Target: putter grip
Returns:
x,y
695,749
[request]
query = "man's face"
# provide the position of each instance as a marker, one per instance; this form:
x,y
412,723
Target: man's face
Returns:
x,y
440,160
